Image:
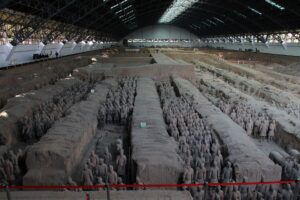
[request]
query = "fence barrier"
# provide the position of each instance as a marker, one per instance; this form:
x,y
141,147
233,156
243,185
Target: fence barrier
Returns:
x,y
147,185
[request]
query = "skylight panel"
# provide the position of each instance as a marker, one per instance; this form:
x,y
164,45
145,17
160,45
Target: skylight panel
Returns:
x,y
175,9
197,26
239,14
114,6
254,10
213,23
118,4
217,19
123,1
205,24
127,7
129,12
118,11
193,27
274,4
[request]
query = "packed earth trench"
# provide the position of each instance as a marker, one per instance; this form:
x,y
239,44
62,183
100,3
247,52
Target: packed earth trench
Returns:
x,y
115,122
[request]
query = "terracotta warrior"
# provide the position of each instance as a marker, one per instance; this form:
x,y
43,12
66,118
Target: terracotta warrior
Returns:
x,y
87,176
121,163
101,169
112,175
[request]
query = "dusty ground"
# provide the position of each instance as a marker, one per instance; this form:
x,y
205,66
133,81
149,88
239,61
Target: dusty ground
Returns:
x,y
37,75
101,195
279,71
29,77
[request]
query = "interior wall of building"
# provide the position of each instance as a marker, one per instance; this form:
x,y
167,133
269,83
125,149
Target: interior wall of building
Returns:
x,y
290,49
158,33
20,54
51,49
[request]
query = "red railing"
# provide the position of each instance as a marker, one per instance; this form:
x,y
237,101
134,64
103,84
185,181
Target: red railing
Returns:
x,y
147,185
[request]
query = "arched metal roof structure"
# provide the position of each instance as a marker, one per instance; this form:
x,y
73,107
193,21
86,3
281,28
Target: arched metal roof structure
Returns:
x,y
105,19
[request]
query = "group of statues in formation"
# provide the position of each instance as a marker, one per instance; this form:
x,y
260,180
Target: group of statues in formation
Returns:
x,y
258,125
10,170
106,169
290,165
201,152
290,108
34,127
119,103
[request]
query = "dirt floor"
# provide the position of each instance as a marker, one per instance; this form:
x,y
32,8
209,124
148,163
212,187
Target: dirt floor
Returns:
x,y
133,113
34,76
101,195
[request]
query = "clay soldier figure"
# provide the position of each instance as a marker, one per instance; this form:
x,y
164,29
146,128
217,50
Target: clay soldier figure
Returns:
x,y
107,156
218,158
271,194
200,175
227,173
244,189
102,117
139,182
279,194
72,183
87,176
249,127
101,169
218,194
207,157
215,195
271,131
236,195
199,159
287,169
228,192
215,146
254,194
233,115
214,173
240,121
112,175
27,129
264,128
38,126
121,163
295,172
262,188
188,159
287,193
116,115
94,160
188,175
123,114
119,145
257,124
108,115
199,195
120,182
296,189
14,160
100,182
9,171
2,174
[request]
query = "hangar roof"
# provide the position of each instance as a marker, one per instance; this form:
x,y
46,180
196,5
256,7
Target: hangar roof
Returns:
x,y
120,17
